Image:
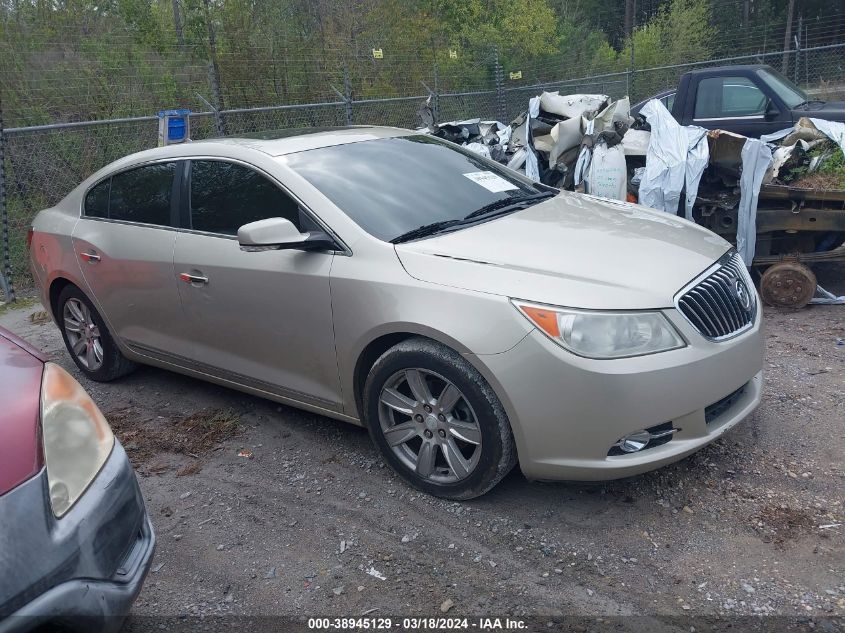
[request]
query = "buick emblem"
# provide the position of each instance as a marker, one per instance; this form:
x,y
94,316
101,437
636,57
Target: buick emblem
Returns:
x,y
742,294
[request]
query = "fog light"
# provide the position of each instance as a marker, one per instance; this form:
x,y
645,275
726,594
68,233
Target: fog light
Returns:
x,y
634,442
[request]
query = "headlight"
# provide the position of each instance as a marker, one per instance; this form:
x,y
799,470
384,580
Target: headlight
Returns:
x,y
604,335
77,438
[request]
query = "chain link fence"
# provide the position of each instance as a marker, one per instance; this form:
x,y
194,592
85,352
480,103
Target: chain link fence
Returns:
x,y
40,164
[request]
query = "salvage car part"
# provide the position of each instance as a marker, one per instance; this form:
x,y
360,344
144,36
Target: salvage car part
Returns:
x,y
788,285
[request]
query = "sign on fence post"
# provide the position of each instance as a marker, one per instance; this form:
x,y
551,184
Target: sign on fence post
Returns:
x,y
6,272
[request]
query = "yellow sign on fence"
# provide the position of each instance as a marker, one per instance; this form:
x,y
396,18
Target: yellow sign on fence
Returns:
x,y
516,74
378,53
453,54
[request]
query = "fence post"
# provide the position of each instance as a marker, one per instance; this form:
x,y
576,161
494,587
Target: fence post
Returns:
x,y
499,76
435,101
347,94
6,272
219,122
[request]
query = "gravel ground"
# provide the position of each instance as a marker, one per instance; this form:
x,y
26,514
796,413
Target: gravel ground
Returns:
x,y
264,509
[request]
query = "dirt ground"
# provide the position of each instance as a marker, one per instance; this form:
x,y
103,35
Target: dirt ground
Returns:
x,y
264,509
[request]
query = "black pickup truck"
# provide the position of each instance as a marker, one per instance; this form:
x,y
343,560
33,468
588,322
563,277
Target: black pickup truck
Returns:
x,y
749,100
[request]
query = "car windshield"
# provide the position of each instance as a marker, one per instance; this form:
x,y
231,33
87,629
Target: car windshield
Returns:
x,y
791,94
393,186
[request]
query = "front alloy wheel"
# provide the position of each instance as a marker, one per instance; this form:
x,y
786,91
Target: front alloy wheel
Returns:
x,y
437,437
436,421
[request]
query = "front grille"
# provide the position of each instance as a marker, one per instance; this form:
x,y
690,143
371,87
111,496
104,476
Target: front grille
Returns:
x,y
722,304
718,409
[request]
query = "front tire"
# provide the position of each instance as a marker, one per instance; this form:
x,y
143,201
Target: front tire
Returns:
x,y
87,338
436,421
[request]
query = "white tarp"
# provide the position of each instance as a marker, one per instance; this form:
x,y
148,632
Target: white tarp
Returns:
x,y
834,130
827,298
698,155
676,156
582,165
532,168
756,158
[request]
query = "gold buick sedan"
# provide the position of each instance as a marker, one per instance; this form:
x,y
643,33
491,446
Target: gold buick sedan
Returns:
x,y
470,318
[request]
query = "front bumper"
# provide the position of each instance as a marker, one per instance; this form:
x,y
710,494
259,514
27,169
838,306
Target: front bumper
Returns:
x,y
84,570
567,412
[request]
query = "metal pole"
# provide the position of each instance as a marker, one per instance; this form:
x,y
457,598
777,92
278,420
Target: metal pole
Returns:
x,y
499,76
6,273
435,101
632,64
347,94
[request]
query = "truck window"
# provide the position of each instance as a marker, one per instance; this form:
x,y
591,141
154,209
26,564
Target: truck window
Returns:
x,y
728,97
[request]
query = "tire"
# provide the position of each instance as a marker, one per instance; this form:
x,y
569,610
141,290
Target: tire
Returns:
x,y
476,424
113,364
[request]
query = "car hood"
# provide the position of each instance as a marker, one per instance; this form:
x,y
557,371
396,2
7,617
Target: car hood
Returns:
x,y
829,110
572,250
21,368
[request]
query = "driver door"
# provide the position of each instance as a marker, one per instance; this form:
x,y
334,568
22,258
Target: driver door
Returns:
x,y
262,319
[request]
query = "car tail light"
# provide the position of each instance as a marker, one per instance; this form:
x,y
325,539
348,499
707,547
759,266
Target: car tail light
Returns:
x,y
77,438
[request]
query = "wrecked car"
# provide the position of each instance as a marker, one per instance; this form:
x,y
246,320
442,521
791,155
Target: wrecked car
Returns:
x,y
468,316
751,100
780,198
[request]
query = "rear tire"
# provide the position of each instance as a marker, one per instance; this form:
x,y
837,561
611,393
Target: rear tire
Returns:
x,y
87,338
436,421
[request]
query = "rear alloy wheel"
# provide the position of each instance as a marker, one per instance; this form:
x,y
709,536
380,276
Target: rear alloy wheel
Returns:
x,y
87,338
437,421
83,335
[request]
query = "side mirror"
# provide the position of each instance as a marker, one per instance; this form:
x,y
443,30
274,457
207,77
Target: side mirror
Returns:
x,y
273,234
771,111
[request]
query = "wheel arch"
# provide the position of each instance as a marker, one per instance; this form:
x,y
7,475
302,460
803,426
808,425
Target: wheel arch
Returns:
x,y
55,289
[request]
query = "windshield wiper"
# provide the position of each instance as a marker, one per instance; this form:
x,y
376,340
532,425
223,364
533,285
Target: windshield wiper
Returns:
x,y
509,204
497,207
425,230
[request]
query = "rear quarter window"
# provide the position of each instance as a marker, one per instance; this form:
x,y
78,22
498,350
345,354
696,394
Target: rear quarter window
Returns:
x,y
143,194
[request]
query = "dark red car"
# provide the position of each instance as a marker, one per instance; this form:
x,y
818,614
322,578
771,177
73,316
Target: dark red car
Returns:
x,y
75,538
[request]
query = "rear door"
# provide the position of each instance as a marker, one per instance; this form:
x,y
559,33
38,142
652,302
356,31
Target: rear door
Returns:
x,y
263,319
124,241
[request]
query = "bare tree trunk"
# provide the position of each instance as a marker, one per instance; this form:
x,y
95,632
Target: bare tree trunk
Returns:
x,y
629,18
177,23
787,37
746,13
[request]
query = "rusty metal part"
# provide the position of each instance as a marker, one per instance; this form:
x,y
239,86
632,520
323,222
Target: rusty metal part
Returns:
x,y
834,255
807,219
788,285
784,192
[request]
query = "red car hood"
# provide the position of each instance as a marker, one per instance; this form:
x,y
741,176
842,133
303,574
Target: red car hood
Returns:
x,y
21,367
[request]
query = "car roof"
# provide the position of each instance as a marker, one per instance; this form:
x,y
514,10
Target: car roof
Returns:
x,y
272,143
724,69
289,141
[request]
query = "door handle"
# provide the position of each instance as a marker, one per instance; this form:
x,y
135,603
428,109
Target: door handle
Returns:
x,y
188,278
91,258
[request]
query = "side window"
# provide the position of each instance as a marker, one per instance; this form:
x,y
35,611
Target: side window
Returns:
x,y
742,98
143,194
724,97
670,101
97,200
225,196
